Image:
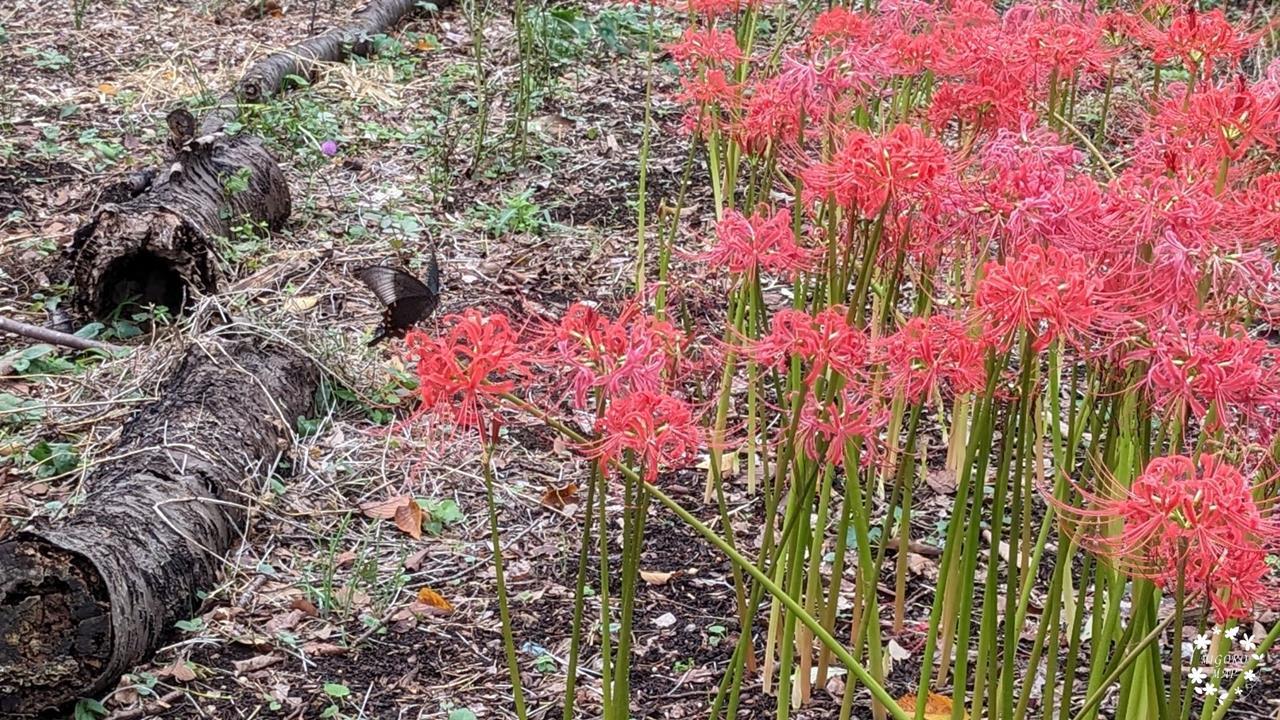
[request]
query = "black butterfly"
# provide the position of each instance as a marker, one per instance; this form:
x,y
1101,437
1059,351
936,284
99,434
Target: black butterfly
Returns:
x,y
407,299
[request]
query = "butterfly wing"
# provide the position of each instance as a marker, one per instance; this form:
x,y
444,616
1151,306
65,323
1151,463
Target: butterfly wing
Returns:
x,y
408,300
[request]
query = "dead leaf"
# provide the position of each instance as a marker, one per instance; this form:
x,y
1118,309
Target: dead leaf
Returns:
x,y
107,89
427,596
942,480
936,707
654,577
305,605
409,519
386,509
256,663
318,649
403,509
557,498
414,561
284,621
299,304
665,620
181,671
923,566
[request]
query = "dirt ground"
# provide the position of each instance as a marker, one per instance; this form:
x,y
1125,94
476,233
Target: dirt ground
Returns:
x,y
314,616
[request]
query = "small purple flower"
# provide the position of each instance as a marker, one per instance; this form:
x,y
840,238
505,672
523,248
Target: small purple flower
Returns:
x,y
329,148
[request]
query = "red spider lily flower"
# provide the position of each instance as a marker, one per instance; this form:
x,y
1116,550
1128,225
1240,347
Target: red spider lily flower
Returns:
x,y
804,94
708,90
1199,40
825,341
477,359
1047,293
1234,375
714,8
826,432
747,245
868,171
627,355
1228,119
1256,212
706,47
658,429
928,352
840,25
1067,47
1201,520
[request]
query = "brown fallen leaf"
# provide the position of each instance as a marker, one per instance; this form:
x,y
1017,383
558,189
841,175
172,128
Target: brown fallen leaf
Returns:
x,y
654,577
181,671
301,303
402,509
430,597
256,663
305,605
386,509
319,649
284,621
941,480
557,498
107,89
409,519
936,707
414,561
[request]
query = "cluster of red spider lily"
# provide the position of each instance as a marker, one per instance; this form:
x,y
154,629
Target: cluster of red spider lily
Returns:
x,y
1053,229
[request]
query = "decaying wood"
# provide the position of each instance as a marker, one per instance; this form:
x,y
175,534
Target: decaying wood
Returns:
x,y
84,599
156,244
266,77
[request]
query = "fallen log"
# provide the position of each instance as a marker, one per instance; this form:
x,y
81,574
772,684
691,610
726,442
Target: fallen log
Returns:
x,y
84,599
157,244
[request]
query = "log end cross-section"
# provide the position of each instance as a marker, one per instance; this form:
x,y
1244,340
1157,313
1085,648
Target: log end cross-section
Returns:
x,y
83,600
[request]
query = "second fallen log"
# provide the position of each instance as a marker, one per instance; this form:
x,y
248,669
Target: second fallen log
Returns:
x,y
85,599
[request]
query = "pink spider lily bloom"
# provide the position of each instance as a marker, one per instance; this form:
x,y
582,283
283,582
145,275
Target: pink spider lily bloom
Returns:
x,y
460,374
659,430
1180,516
630,354
747,245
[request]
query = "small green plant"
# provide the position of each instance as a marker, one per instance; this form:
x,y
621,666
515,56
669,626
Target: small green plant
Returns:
x,y
544,664
440,513
193,625
51,59
236,182
16,411
519,214
50,459
89,709
716,634
246,245
106,150
337,693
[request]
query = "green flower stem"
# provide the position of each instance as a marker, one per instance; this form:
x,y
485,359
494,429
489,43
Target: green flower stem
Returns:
x,y
579,597
1220,713
504,611
1091,703
854,667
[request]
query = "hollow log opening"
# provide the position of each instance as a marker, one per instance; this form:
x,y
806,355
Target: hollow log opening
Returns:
x,y
141,279
54,607
85,597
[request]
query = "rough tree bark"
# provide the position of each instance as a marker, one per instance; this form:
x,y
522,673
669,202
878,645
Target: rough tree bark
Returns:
x,y
156,242
85,599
